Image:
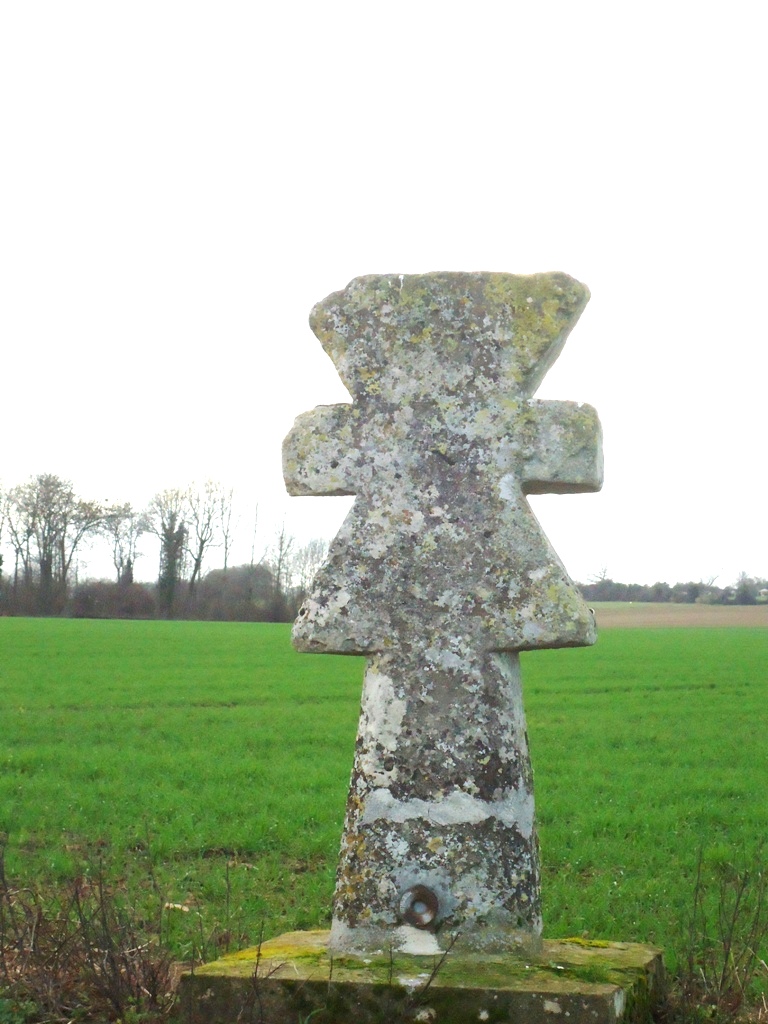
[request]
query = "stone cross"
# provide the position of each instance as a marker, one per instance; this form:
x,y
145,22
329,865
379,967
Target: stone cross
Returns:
x,y
441,574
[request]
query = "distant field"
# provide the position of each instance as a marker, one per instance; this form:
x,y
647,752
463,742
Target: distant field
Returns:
x,y
215,755
641,615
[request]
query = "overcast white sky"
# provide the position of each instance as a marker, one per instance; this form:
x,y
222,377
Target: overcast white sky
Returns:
x,y
181,182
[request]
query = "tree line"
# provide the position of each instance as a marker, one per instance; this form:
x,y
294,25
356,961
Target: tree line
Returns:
x,y
746,590
45,525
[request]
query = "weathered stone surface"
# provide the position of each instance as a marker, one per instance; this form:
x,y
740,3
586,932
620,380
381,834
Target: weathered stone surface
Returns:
x,y
293,976
441,574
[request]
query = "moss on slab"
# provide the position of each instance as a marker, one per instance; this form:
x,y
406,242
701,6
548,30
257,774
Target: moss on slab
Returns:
x,y
595,981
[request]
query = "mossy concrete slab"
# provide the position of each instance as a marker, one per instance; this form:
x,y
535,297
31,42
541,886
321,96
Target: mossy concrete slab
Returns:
x,y
293,978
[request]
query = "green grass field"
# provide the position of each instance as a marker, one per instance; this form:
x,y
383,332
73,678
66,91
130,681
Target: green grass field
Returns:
x,y
215,759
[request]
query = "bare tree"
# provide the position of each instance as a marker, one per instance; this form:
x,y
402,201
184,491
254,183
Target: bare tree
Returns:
x,y
46,523
202,509
165,518
3,515
305,564
279,560
20,536
123,526
253,538
226,525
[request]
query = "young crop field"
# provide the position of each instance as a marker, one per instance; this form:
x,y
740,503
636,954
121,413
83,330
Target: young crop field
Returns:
x,y
208,763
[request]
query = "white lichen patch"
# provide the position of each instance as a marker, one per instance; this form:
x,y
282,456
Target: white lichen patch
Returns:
x,y
509,490
458,808
382,711
416,941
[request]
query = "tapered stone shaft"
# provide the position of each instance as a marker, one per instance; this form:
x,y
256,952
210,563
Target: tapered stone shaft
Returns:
x,y
441,803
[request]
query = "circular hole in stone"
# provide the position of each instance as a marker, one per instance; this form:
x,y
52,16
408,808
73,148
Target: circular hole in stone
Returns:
x,y
419,906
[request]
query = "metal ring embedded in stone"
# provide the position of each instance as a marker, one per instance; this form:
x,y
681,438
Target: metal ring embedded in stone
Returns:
x,y
419,906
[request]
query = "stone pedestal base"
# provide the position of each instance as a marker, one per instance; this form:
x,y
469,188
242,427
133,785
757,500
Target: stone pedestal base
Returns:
x,y
293,977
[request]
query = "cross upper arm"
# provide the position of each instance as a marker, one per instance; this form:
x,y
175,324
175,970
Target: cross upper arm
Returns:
x,y
566,449
319,454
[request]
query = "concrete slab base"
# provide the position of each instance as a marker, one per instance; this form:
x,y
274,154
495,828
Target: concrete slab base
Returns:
x,y
293,980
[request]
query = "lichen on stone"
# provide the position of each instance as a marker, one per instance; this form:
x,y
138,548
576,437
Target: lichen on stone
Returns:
x,y
441,575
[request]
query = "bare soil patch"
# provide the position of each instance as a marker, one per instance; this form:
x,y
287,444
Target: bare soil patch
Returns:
x,y
641,615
